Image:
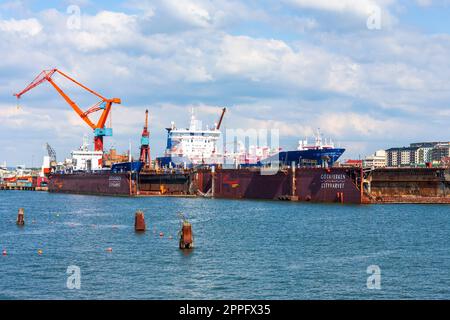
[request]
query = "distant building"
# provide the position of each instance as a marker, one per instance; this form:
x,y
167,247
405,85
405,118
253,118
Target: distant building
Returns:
x,y
377,160
427,150
402,157
440,151
114,157
352,163
417,154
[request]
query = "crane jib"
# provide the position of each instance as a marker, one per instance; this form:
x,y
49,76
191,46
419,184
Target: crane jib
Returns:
x,y
104,105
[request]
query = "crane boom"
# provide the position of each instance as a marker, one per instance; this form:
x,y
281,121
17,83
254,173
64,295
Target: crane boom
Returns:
x,y
104,104
51,153
221,118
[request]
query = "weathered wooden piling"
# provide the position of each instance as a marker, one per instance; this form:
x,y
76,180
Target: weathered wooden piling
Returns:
x,y
186,236
21,217
139,221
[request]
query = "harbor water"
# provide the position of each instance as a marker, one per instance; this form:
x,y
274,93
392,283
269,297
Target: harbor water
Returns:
x,y
243,249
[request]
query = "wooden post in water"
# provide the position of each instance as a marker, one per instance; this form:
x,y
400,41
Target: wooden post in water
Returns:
x,y
20,217
139,221
186,236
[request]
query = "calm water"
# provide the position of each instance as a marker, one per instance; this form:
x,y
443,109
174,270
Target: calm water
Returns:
x,y
244,249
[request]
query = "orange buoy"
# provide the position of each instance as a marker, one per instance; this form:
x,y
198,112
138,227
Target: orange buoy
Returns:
x,y
21,217
139,221
161,234
109,249
4,252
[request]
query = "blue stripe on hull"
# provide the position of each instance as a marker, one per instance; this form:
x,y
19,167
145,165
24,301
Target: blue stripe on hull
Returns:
x,y
304,156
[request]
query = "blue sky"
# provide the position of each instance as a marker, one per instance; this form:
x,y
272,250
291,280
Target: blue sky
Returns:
x,y
291,65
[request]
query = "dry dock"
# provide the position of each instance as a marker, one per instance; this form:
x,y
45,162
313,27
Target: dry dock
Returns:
x,y
407,185
326,185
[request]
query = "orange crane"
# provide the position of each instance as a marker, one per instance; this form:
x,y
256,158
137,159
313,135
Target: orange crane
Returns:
x,y
104,104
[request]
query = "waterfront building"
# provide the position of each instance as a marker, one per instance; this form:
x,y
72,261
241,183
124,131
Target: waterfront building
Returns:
x,y
417,154
402,157
352,163
440,151
377,160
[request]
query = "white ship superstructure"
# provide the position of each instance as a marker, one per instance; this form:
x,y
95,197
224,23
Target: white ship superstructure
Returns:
x,y
319,143
84,159
194,144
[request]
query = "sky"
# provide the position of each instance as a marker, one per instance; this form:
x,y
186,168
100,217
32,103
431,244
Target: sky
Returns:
x,y
372,74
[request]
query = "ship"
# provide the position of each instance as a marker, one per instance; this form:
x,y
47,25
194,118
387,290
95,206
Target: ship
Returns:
x,y
191,146
83,174
322,153
195,146
193,165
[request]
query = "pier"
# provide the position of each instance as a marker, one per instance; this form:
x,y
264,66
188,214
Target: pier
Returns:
x,y
23,188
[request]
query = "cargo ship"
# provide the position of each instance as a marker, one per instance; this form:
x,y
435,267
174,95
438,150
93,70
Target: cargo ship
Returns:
x,y
321,153
194,146
191,146
299,184
192,166
82,174
342,185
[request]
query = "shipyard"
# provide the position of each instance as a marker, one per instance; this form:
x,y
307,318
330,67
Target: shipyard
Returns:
x,y
178,174
194,165
216,154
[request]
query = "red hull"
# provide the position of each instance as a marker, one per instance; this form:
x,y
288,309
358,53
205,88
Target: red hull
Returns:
x,y
316,185
115,184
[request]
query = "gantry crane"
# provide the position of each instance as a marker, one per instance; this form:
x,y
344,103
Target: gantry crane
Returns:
x,y
51,153
104,104
145,144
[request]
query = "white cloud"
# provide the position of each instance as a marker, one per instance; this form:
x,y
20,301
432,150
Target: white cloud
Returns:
x,y
190,11
360,7
25,27
252,58
424,3
357,84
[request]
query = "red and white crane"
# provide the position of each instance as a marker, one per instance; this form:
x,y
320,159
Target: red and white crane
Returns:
x,y
145,145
